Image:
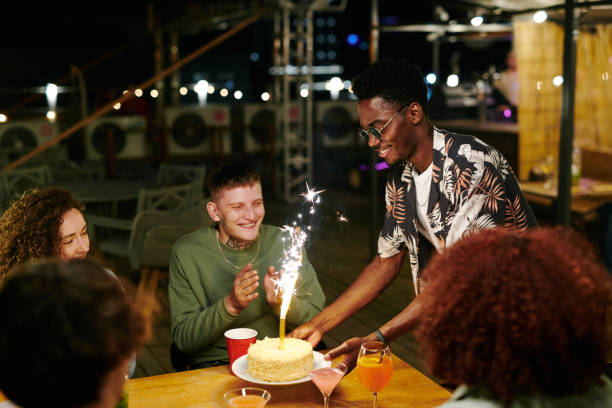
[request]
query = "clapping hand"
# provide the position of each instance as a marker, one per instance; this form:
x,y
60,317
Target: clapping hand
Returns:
x,y
244,290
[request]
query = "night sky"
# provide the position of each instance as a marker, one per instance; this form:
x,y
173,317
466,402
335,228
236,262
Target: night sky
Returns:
x,y
41,42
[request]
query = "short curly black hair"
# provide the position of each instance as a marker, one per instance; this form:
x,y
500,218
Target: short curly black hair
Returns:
x,y
394,80
230,175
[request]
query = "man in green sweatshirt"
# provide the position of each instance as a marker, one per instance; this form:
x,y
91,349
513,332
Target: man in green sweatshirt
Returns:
x,y
222,277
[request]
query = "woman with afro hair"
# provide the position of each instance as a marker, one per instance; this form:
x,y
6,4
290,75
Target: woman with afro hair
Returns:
x,y
42,223
518,320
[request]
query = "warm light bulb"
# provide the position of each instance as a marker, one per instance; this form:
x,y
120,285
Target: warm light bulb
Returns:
x,y
476,21
540,16
336,84
51,91
201,87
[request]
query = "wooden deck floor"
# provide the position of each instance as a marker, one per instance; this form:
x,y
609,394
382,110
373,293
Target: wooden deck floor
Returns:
x,y
338,252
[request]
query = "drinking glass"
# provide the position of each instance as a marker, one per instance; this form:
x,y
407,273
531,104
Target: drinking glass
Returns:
x,y
326,379
374,367
246,397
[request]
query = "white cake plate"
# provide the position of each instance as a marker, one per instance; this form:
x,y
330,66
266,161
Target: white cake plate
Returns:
x,y
240,368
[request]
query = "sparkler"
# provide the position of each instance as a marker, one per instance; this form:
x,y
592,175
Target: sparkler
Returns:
x,y
293,261
291,266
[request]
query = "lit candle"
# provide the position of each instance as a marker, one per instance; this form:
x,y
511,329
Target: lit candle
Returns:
x,y
281,344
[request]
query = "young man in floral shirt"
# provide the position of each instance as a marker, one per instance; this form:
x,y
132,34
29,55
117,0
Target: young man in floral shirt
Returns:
x,y
441,187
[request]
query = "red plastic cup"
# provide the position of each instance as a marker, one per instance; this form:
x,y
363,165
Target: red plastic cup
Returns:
x,y
238,342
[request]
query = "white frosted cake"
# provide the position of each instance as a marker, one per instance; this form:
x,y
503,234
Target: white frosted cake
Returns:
x,y
267,362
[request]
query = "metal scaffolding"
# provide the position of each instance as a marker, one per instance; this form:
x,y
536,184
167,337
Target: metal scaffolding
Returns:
x,y
293,56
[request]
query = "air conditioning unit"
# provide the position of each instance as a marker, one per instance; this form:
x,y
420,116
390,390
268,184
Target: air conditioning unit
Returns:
x,y
198,130
126,133
261,128
20,137
337,123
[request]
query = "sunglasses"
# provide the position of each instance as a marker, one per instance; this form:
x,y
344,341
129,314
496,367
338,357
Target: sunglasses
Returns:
x,y
365,133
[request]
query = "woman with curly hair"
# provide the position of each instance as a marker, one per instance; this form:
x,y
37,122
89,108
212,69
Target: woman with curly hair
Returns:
x,y
42,223
518,320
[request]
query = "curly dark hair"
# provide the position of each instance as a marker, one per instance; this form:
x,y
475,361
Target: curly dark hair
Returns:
x,y
65,327
517,314
394,80
230,175
29,228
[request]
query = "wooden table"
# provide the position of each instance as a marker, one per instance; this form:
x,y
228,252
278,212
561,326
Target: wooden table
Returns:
x,y
204,388
587,196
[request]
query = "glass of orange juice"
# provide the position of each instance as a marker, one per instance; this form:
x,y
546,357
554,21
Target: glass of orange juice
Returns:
x,y
374,367
246,397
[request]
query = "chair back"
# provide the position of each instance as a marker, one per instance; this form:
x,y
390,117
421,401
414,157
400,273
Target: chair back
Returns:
x,y
172,174
597,163
175,199
154,233
15,182
180,173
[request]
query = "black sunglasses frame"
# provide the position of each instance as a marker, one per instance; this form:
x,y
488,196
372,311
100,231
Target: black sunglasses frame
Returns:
x,y
365,133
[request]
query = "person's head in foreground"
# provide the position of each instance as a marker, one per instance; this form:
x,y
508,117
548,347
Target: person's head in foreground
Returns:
x,y
42,223
236,203
518,318
68,333
392,107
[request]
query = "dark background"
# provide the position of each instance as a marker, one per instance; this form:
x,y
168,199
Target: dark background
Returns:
x,y
42,40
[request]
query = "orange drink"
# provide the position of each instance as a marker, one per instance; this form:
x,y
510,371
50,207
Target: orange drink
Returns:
x,y
374,374
246,397
247,401
374,367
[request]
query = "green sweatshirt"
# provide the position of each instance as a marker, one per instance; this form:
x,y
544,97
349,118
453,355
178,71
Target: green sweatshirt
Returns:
x,y
200,279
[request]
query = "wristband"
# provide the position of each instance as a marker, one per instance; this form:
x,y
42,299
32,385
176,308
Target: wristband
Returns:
x,y
380,336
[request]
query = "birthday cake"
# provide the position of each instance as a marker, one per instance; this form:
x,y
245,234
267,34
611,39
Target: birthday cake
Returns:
x,y
267,362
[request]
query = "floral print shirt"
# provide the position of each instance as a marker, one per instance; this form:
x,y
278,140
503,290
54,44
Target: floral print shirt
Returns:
x,y
473,187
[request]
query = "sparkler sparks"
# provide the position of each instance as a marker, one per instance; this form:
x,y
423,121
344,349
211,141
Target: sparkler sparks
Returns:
x,y
291,265
311,195
341,217
292,260
290,273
